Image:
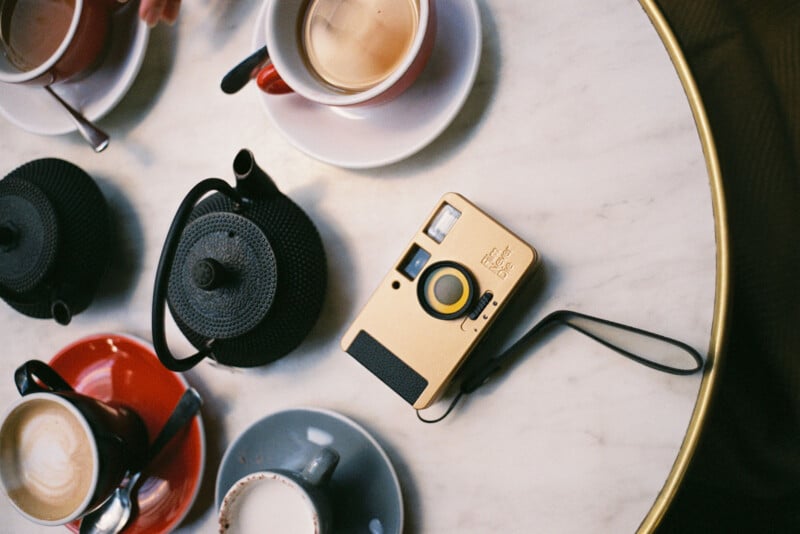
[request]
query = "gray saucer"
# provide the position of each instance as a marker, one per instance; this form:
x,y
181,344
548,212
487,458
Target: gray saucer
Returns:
x,y
364,491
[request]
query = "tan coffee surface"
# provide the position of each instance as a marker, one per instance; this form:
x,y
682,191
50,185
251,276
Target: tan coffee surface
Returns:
x,y
47,461
355,44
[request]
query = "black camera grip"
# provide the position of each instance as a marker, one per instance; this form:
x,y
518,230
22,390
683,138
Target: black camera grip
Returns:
x,y
26,374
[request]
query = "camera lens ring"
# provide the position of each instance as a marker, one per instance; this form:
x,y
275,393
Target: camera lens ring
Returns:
x,y
450,280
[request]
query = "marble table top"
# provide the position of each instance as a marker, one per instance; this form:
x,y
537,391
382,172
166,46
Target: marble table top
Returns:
x,y
577,135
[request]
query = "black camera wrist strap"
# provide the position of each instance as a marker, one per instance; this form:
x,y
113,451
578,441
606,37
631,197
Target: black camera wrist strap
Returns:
x,y
629,341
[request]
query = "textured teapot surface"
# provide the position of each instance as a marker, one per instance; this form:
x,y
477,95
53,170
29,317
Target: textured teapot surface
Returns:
x,y
54,239
248,276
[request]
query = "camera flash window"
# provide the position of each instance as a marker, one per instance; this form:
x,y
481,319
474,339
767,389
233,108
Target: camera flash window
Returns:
x,y
442,222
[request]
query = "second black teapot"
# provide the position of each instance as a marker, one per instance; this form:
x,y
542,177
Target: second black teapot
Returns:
x,y
55,241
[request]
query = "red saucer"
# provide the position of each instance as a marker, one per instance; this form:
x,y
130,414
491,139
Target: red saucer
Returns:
x,y
123,369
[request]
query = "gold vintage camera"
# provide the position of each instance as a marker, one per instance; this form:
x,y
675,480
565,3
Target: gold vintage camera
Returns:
x,y
441,297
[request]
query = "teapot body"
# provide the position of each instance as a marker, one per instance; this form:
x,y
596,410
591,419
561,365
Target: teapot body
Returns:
x,y
54,225
246,274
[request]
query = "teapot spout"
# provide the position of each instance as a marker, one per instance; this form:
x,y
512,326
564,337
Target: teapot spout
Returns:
x,y
61,312
251,180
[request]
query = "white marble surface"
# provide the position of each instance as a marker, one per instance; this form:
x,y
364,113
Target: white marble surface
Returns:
x,y
577,136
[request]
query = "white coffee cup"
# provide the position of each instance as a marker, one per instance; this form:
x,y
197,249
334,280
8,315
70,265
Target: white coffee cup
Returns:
x,y
291,65
280,500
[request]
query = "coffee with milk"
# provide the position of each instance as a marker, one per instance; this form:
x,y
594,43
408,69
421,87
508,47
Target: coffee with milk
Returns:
x,y
270,504
48,459
355,44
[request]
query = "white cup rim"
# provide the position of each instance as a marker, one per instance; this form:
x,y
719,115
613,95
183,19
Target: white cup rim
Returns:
x,y
332,98
28,75
81,508
238,489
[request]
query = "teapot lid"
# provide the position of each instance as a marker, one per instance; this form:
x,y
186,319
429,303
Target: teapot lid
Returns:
x,y
28,234
224,276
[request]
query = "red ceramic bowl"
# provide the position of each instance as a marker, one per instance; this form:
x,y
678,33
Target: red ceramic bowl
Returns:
x,y
126,370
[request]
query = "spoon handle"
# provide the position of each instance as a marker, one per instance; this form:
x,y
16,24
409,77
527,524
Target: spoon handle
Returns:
x,y
93,135
187,407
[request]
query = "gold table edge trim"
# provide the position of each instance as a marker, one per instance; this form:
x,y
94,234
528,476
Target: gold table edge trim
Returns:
x,y
722,290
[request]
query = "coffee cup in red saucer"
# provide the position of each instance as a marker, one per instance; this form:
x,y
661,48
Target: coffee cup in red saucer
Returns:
x,y
126,370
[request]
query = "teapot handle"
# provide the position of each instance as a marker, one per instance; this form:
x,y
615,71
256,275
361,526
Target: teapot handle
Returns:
x,y
165,267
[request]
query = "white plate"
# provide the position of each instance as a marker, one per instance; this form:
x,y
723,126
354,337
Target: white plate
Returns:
x,y
390,132
32,109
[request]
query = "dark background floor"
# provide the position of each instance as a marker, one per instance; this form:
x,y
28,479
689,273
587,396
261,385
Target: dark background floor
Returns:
x,y
745,57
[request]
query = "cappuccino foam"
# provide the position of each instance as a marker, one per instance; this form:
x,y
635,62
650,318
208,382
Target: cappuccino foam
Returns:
x,y
356,44
47,460
269,505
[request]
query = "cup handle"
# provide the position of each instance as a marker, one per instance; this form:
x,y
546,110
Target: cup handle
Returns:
x,y
270,81
26,374
318,471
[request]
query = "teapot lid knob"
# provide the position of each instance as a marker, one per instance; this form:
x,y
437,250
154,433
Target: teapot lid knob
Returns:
x,y
9,237
28,235
209,274
223,279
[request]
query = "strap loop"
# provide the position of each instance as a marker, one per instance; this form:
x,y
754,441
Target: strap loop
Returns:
x,y
627,340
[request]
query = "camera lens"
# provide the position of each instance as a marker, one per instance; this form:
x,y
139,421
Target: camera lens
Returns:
x,y
446,290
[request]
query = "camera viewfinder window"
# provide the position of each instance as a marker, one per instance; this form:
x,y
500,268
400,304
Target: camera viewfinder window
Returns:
x,y
442,222
414,261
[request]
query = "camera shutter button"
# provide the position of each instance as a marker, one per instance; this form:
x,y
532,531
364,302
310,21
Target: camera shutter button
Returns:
x,y
448,289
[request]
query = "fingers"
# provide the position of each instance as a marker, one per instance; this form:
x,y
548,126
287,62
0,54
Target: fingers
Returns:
x,y
150,11
153,11
170,13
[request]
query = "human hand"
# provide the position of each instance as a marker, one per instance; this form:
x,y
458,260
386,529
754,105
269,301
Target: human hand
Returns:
x,y
154,11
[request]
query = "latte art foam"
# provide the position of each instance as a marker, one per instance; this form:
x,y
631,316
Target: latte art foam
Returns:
x,y
47,460
356,44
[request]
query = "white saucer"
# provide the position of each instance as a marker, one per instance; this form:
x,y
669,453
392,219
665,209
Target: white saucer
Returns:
x,y
388,133
32,109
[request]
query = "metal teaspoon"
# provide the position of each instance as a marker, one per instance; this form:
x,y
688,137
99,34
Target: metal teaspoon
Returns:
x,y
115,513
91,133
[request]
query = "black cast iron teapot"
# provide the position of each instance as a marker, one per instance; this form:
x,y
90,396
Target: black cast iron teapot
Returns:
x,y
243,271
54,239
